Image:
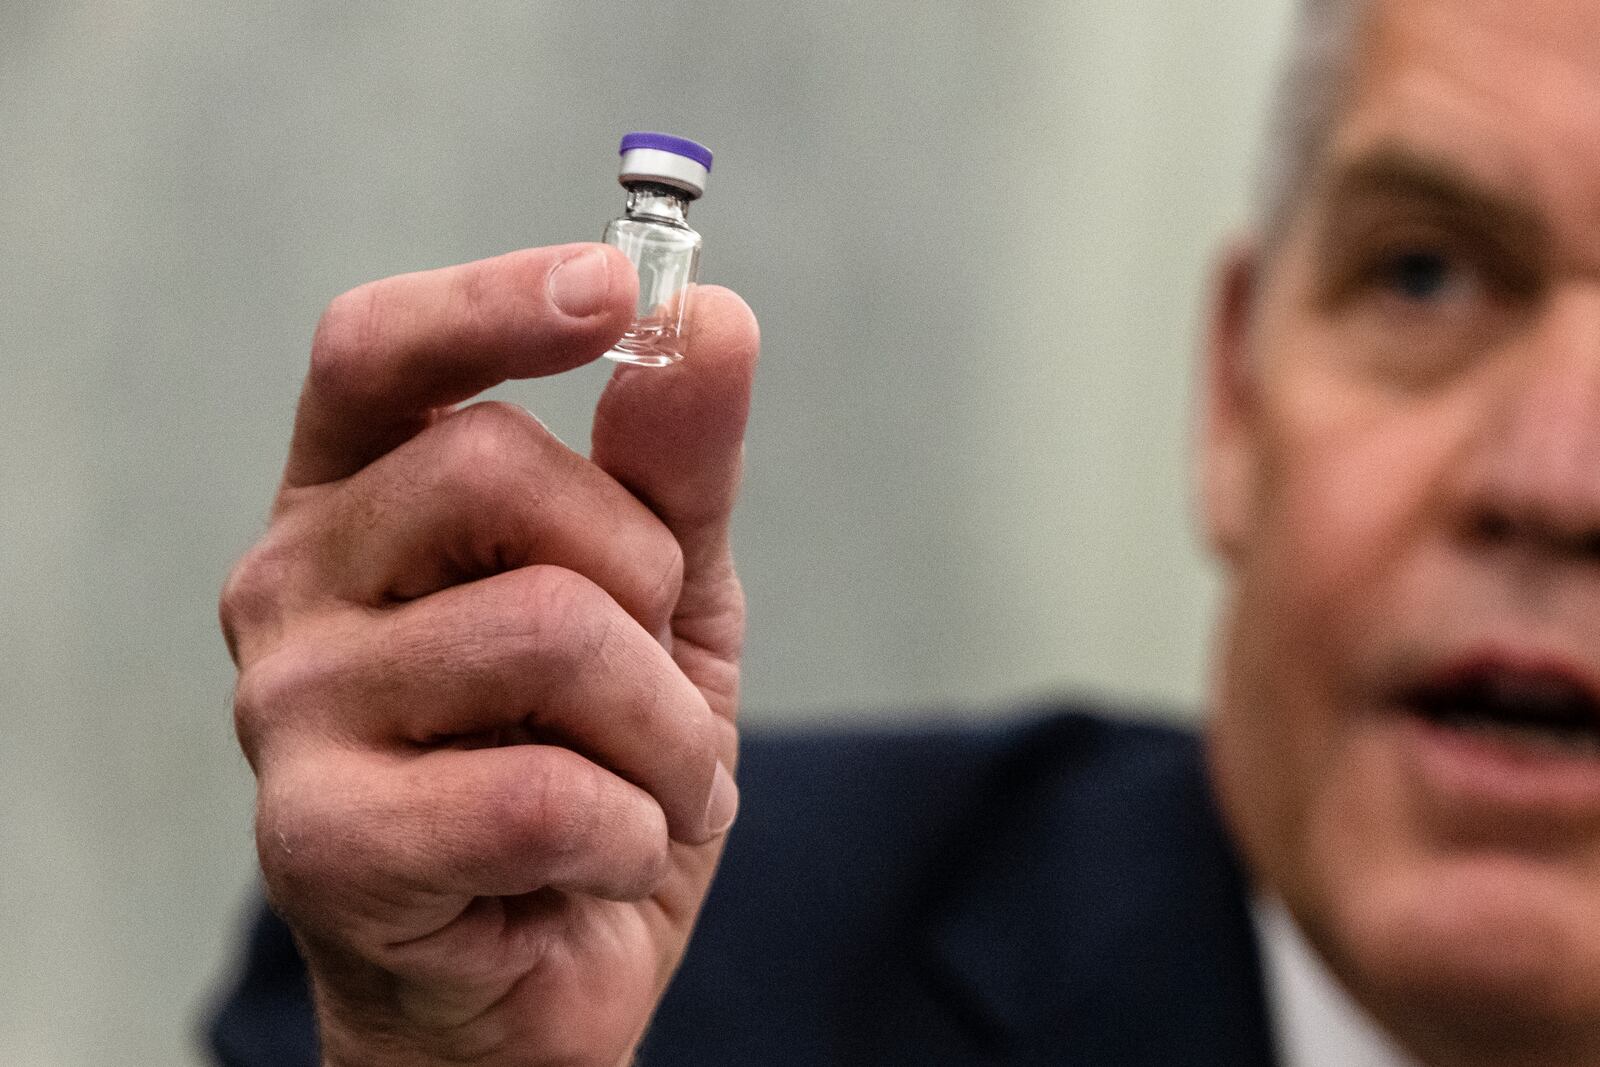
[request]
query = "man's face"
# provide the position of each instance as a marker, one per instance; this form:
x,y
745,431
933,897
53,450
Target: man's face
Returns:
x,y
1402,476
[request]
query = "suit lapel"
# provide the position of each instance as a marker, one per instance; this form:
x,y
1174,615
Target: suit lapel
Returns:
x,y
1103,920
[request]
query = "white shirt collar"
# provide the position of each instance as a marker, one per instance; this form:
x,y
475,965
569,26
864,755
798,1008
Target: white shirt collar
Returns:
x,y
1315,1022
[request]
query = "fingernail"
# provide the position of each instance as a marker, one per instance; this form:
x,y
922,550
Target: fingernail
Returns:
x,y
579,286
723,804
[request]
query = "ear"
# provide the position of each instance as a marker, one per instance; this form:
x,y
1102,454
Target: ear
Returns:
x,y
1228,440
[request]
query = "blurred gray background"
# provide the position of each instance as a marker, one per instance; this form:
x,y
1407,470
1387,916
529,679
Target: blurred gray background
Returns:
x,y
976,235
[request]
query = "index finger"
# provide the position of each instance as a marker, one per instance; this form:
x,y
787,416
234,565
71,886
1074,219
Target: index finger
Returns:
x,y
388,355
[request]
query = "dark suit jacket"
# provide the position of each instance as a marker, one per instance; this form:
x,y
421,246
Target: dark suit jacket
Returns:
x,y
1055,891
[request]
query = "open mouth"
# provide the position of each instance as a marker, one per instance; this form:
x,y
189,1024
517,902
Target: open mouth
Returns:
x,y
1541,710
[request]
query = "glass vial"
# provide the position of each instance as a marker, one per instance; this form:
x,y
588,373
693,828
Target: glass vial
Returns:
x,y
662,174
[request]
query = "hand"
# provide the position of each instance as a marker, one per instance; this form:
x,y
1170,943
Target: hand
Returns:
x,y
488,686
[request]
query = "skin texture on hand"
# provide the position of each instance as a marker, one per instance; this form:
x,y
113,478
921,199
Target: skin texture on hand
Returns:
x,y
488,685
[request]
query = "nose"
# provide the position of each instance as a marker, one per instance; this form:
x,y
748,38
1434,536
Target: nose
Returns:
x,y
1533,482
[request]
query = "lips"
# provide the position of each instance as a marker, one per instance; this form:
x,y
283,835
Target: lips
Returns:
x,y
1504,742
1548,708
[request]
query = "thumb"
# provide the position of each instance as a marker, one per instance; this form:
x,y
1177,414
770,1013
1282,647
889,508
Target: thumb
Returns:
x,y
674,437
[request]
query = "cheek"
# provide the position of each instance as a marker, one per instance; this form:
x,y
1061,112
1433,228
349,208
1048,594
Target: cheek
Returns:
x,y
1350,494
1349,528
1345,516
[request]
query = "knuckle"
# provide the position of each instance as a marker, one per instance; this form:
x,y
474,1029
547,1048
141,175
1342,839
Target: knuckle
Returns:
x,y
478,445
249,714
553,812
291,835
495,418
571,617
490,460
253,592
320,837
272,692
679,721
568,810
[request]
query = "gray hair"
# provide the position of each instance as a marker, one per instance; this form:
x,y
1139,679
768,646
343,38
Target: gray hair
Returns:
x,y
1312,91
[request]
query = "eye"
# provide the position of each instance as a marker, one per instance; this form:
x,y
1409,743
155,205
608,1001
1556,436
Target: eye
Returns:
x,y
1422,275
1420,291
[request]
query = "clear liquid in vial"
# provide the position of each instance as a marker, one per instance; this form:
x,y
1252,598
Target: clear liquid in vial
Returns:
x,y
655,235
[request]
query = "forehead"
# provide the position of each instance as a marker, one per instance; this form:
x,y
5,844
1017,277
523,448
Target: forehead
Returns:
x,y
1507,91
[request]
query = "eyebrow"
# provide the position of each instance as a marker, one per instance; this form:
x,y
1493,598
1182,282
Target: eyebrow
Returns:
x,y
1396,173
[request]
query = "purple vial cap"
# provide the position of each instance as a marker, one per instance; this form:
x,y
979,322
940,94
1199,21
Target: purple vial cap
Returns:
x,y
665,142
